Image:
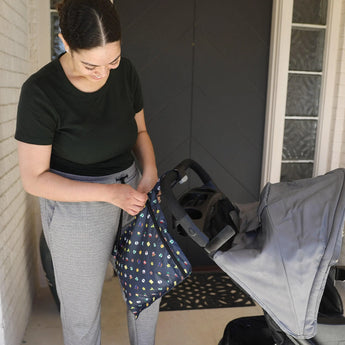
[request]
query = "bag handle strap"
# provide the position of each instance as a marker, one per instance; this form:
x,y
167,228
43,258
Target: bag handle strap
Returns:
x,y
117,238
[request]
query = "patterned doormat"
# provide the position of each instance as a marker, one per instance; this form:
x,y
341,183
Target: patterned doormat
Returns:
x,y
203,290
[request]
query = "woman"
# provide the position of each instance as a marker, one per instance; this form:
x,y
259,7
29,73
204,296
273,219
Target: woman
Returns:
x,y
79,119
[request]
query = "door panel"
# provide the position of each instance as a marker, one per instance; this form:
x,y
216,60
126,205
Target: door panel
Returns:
x,y
230,77
203,67
157,37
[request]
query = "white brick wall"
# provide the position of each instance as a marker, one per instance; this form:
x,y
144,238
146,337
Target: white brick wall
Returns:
x,y
341,93
338,128
338,150
18,242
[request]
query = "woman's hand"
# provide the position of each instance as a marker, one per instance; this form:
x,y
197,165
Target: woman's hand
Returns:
x,y
127,198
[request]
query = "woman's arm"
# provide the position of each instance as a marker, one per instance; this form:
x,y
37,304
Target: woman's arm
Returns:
x,y
34,161
143,150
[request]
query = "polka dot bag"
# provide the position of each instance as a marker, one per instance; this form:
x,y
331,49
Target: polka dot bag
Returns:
x,y
147,259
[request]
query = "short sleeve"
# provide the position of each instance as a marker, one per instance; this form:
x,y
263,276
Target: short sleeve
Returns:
x,y
36,119
138,102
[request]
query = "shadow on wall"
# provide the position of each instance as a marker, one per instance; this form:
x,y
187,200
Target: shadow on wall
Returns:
x,y
32,230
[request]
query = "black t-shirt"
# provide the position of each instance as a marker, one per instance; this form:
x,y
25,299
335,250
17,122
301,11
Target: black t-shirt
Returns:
x,y
91,133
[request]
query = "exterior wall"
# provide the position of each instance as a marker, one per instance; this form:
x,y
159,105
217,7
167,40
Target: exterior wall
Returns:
x,y
337,154
18,211
338,131
341,91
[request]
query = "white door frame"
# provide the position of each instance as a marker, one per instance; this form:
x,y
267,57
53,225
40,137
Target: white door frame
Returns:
x,y
277,89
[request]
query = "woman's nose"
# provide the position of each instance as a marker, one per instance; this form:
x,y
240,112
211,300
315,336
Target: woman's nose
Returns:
x,y
102,70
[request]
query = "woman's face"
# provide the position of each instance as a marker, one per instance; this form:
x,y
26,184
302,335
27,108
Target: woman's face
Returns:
x,y
95,64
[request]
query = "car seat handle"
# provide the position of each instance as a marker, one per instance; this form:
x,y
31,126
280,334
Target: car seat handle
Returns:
x,y
168,181
188,163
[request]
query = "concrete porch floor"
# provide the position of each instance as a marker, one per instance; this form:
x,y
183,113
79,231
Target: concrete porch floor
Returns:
x,y
191,327
202,327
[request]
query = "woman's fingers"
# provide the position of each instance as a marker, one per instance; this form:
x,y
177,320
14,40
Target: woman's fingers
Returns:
x,y
140,198
129,199
134,212
135,209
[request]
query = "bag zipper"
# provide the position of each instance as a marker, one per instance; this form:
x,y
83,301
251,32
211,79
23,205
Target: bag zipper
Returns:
x,y
172,254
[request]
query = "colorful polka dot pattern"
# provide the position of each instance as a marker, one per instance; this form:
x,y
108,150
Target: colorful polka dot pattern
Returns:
x,y
146,269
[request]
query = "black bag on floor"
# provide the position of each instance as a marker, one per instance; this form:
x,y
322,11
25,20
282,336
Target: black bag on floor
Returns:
x,y
48,268
247,331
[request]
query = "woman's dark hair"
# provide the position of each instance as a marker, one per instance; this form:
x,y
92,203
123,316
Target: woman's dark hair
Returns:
x,y
87,24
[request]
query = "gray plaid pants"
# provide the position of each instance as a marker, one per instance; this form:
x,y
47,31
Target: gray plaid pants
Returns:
x,y
80,237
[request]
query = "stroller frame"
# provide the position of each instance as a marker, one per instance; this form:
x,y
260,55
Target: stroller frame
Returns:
x,y
183,217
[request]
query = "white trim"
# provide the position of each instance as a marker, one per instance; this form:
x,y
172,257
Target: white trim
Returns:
x,y
276,90
322,147
308,26
313,118
297,161
305,72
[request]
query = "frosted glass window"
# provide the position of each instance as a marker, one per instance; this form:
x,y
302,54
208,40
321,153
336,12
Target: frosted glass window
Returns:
x,y
56,44
303,95
299,139
307,46
296,171
306,53
310,11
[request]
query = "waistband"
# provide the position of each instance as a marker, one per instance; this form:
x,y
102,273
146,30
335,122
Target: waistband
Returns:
x,y
125,176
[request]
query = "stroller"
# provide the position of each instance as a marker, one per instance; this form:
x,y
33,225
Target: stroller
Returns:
x,y
280,250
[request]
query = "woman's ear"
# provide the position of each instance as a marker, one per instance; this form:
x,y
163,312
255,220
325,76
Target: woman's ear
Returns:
x,y
64,42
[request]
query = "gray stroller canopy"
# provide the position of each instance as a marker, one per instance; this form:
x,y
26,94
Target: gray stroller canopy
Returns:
x,y
285,246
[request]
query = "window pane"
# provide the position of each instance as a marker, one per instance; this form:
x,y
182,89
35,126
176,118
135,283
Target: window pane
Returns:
x,y
296,171
56,44
310,11
53,4
306,52
299,139
303,95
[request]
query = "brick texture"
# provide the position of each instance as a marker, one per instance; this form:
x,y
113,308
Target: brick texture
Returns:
x,y
18,211
341,93
338,150
337,154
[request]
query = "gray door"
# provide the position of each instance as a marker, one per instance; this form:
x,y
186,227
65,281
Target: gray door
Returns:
x,y
203,67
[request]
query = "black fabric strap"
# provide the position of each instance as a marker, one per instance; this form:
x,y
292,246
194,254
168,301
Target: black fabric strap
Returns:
x,y
117,238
